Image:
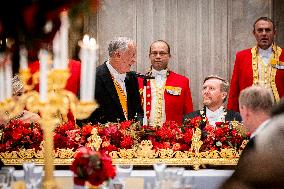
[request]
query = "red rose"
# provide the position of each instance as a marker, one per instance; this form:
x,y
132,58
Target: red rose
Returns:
x,y
91,166
87,129
125,124
187,136
126,142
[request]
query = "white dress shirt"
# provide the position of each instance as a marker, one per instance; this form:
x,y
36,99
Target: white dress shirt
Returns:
x,y
160,77
120,78
216,116
265,54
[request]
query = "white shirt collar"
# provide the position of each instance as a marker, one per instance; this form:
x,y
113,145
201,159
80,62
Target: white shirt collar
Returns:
x,y
115,74
161,73
216,116
259,128
265,53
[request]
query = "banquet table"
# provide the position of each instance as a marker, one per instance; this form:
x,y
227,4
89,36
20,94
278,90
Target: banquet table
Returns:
x,y
145,179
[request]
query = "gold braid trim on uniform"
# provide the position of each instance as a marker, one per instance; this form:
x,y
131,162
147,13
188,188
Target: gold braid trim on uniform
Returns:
x,y
276,53
159,104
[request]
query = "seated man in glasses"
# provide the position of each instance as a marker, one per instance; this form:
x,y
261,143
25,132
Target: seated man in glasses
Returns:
x,y
168,96
214,94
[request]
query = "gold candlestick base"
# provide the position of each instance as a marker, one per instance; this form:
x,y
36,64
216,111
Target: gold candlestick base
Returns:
x,y
48,124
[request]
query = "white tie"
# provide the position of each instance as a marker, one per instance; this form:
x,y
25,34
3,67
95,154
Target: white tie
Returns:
x,y
160,77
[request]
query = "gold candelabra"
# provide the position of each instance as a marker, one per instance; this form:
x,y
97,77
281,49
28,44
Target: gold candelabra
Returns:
x,y
55,109
59,100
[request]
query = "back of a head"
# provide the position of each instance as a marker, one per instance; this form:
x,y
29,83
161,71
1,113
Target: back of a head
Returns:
x,y
257,98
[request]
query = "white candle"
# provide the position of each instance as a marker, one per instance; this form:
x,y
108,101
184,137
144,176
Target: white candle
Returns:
x,y
84,67
23,59
64,39
8,77
56,51
2,80
43,56
92,69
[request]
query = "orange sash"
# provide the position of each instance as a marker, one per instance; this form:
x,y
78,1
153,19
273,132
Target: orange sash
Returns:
x,y
122,98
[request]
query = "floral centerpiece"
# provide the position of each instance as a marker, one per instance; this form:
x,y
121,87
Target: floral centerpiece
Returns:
x,y
126,135
19,135
224,135
92,166
124,142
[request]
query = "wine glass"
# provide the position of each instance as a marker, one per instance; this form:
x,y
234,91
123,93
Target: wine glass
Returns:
x,y
189,182
160,173
10,173
4,180
122,172
37,177
28,173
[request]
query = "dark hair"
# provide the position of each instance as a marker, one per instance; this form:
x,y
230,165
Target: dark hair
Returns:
x,y
169,49
265,19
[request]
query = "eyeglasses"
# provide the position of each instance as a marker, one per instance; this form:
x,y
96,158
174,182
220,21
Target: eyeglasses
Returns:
x,y
160,53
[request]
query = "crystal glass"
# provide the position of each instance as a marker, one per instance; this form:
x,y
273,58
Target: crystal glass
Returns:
x,y
28,173
4,179
122,172
160,171
189,183
10,171
160,175
37,177
174,178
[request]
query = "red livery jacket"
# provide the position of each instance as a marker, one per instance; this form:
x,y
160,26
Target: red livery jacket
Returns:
x,y
177,103
243,77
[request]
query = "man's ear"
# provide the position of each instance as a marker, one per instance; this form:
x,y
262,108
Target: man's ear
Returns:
x,y
246,111
224,95
275,32
117,54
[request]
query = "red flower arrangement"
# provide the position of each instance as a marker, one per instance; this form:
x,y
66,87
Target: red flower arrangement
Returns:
x,y
169,136
224,135
67,135
126,135
119,135
18,134
94,167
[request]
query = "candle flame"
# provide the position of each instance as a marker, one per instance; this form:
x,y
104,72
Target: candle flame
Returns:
x,y
86,40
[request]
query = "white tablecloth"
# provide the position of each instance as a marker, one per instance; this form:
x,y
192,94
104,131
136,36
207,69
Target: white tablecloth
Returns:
x,y
201,179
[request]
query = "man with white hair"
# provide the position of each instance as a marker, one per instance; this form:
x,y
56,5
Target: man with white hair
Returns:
x,y
117,90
